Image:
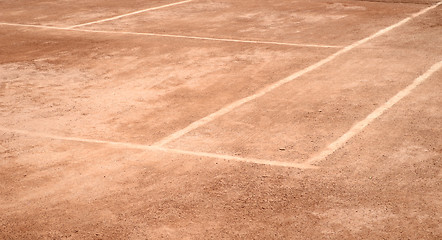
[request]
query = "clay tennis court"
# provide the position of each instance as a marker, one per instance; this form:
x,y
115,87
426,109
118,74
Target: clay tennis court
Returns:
x,y
220,119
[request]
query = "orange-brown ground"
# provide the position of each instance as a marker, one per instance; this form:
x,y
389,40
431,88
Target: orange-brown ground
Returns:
x,y
385,183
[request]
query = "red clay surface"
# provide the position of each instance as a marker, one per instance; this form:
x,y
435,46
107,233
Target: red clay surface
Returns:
x,y
382,184
161,85
306,115
314,22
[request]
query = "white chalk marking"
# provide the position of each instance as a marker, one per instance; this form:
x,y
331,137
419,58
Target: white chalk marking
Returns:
x,y
76,139
262,92
358,127
129,14
238,159
36,26
172,36
224,39
162,149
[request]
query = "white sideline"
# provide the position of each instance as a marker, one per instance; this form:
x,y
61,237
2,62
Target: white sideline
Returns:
x,y
358,127
171,36
128,14
162,149
228,108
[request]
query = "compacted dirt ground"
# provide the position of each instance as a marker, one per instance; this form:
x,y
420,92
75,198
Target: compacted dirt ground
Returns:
x,y
220,119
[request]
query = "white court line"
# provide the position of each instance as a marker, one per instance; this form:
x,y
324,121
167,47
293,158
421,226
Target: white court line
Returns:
x,y
162,149
265,90
172,36
129,14
238,159
358,127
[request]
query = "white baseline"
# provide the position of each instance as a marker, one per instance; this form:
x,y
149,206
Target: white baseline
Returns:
x,y
162,149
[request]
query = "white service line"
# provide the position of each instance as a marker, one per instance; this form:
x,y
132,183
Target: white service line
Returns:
x,y
228,108
128,14
224,39
358,127
172,36
162,149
